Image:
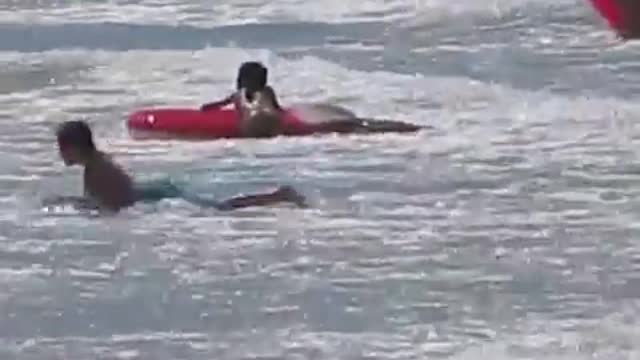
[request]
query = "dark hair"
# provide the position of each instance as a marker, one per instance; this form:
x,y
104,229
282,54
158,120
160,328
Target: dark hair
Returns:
x,y
252,75
75,133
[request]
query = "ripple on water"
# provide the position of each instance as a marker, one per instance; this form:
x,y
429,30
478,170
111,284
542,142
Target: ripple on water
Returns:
x,y
508,231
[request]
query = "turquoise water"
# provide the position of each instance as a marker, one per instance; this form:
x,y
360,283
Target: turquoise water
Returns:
x,y
507,232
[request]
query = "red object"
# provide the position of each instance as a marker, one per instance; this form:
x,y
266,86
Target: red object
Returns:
x,y
612,12
192,123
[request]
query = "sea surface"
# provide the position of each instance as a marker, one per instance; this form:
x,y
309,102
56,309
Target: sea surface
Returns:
x,y
508,231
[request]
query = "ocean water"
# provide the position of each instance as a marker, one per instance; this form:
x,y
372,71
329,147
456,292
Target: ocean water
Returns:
x,y
507,232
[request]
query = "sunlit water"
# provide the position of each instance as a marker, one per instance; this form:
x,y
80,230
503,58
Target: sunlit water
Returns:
x,y
507,232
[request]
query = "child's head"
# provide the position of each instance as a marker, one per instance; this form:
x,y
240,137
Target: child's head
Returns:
x,y
75,141
252,76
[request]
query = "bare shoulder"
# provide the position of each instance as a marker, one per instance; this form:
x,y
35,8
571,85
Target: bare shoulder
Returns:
x,y
108,183
108,167
268,91
270,94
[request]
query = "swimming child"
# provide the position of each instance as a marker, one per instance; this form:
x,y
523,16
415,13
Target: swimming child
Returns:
x,y
255,101
107,187
261,114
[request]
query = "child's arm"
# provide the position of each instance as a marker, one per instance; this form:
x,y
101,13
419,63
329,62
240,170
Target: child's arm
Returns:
x,y
218,104
271,94
78,202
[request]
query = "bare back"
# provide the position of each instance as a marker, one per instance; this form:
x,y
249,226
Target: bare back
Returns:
x,y
107,184
261,116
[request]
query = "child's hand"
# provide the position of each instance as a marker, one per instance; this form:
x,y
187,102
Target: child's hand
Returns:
x,y
211,106
218,104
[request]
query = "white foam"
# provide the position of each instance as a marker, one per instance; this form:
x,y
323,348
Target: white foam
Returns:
x,y
206,13
421,203
123,82
536,338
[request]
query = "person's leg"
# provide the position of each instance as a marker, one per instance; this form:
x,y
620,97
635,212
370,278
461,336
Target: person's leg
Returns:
x,y
159,190
385,126
154,191
282,194
340,126
368,126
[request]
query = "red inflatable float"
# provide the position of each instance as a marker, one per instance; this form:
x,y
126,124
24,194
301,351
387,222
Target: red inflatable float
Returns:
x,y
224,123
623,16
193,123
610,11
